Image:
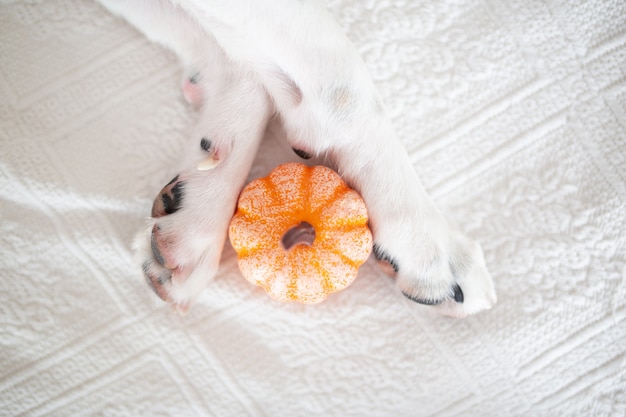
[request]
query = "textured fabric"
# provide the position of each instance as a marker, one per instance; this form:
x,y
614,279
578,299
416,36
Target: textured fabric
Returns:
x,y
514,115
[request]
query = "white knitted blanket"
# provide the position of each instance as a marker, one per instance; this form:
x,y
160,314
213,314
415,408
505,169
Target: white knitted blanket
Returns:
x,y
514,115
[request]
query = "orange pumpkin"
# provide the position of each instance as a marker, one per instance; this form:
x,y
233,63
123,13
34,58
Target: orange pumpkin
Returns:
x,y
300,233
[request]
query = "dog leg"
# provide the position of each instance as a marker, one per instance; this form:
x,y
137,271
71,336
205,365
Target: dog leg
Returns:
x,y
165,23
433,263
342,118
180,249
338,114
329,106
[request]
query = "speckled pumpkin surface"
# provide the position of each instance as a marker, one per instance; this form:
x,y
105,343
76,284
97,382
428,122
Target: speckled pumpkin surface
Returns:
x,y
300,233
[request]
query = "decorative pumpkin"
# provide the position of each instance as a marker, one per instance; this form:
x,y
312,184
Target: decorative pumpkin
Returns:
x,y
300,233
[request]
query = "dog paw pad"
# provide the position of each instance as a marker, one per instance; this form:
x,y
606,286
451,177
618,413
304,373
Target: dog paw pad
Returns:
x,y
192,90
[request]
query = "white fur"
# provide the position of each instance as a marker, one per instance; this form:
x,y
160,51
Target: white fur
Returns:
x,y
256,58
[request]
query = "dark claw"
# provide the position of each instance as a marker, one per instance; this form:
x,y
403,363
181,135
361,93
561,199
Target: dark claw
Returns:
x,y
172,203
302,154
383,256
155,246
205,144
157,282
194,78
458,294
424,301
170,198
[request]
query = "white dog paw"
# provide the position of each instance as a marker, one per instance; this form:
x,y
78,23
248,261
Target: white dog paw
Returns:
x,y
182,244
446,272
179,250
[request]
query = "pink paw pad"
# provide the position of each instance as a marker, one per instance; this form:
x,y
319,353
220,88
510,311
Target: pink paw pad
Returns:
x,y
192,90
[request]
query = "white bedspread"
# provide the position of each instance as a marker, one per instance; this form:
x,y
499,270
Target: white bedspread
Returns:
x,y
514,114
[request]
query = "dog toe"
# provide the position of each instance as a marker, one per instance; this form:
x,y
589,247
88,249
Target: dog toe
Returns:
x,y
192,91
448,274
162,246
457,294
158,279
169,199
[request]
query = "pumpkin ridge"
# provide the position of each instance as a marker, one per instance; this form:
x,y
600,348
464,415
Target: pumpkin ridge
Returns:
x,y
332,205
294,273
305,184
246,252
329,279
244,246
345,227
330,201
327,243
328,284
325,276
347,260
292,287
272,188
247,214
267,284
338,252
248,211
271,278
276,190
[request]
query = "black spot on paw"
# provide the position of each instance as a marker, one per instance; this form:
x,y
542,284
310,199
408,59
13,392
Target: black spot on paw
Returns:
x,y
194,78
174,199
205,144
425,301
383,256
169,199
457,294
302,154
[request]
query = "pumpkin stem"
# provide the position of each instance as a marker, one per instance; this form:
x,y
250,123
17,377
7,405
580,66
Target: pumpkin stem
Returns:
x,y
304,233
